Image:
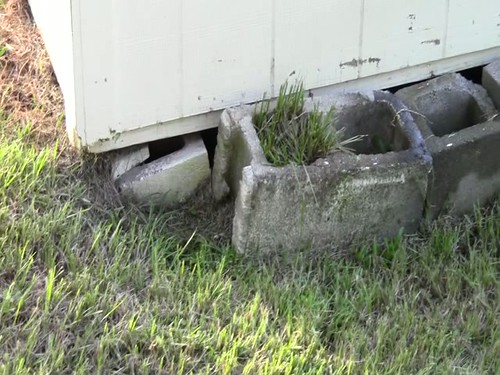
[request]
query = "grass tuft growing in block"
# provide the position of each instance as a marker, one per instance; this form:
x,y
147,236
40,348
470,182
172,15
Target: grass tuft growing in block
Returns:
x,y
291,135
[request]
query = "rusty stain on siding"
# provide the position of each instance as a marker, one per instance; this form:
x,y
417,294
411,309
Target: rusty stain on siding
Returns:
x,y
436,42
358,62
375,60
354,63
411,17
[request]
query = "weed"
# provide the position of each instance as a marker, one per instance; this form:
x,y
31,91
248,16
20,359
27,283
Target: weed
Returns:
x,y
290,135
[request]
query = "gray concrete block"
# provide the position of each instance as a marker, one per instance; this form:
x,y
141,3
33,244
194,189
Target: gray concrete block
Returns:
x,y
335,202
170,179
454,116
491,81
127,159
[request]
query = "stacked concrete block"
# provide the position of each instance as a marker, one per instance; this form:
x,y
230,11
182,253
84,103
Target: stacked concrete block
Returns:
x,y
129,158
170,179
336,201
491,81
462,132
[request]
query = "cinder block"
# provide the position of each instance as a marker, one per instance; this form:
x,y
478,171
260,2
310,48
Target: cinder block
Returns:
x,y
491,81
454,116
170,179
127,159
334,202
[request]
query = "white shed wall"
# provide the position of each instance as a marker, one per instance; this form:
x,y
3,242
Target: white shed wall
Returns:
x,y
55,23
149,69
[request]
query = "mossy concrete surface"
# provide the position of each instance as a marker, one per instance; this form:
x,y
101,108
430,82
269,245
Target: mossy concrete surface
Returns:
x,y
462,132
338,200
491,81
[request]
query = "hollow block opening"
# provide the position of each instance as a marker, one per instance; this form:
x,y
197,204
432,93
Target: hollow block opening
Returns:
x,y
164,147
209,137
473,74
448,111
379,125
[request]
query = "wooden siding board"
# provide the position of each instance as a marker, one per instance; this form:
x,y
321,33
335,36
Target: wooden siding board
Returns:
x,y
317,40
226,53
472,26
147,63
398,34
146,69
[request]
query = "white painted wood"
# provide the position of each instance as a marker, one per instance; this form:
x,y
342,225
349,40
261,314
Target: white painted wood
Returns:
x,y
472,25
144,70
378,81
181,126
54,21
397,34
313,40
55,26
130,64
226,51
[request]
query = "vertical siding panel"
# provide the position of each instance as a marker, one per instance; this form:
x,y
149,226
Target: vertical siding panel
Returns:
x,y
140,63
273,52
473,26
226,52
401,33
317,39
130,63
95,61
55,20
146,47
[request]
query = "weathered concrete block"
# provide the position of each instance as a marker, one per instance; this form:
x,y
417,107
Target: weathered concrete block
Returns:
x,y
336,201
127,159
169,179
491,81
453,115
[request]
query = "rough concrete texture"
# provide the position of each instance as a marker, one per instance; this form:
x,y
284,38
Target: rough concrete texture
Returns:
x,y
127,159
170,179
453,115
336,201
491,81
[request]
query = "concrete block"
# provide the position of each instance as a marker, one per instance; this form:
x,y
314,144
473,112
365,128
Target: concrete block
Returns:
x,y
127,159
454,116
491,81
336,201
170,179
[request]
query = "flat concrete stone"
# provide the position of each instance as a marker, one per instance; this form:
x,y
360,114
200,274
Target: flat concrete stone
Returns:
x,y
127,159
170,179
491,81
453,115
335,202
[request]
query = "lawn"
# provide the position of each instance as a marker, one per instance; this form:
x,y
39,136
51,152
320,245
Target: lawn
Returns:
x,y
89,284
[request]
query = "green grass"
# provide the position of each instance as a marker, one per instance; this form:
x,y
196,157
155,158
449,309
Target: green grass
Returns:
x,y
290,135
88,288
3,49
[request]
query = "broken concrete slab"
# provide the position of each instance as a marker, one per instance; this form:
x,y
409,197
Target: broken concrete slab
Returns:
x,y
491,81
170,179
335,202
453,115
127,159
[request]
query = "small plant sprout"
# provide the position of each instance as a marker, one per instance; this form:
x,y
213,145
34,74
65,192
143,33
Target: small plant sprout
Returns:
x,y
290,135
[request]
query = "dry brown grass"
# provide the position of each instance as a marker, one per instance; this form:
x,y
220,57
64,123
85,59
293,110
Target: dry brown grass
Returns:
x,y
28,88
